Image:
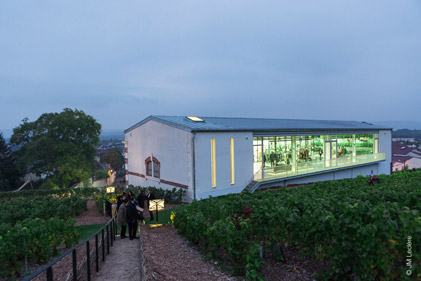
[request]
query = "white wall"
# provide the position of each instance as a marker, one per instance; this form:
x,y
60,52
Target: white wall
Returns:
x,y
172,148
398,166
413,163
385,145
243,158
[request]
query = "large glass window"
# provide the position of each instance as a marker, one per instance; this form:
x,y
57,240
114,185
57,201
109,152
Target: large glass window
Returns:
x,y
257,153
289,155
344,145
364,144
309,148
277,151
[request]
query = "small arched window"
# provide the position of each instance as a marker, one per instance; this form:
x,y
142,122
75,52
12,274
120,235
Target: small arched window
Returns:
x,y
153,167
149,168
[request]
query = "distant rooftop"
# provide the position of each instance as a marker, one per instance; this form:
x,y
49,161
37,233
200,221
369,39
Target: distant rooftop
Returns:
x,y
400,148
256,124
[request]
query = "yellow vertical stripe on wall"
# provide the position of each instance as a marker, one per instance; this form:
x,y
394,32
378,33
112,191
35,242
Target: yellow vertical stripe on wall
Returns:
x,y
213,160
232,161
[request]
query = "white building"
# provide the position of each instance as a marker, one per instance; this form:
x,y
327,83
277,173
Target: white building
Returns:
x,y
216,156
400,162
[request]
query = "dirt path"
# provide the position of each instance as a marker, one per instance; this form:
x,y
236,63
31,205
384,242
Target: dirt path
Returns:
x,y
91,216
168,257
123,262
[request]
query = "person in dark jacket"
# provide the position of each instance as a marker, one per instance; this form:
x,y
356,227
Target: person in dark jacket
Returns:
x,y
122,217
149,196
131,218
141,205
373,179
129,195
120,200
141,199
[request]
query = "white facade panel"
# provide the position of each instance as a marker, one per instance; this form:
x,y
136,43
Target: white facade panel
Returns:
x,y
172,147
369,170
243,159
385,145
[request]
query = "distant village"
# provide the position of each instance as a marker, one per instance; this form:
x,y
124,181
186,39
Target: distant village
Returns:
x,y
406,154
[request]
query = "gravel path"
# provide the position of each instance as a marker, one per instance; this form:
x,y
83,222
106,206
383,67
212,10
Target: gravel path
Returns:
x,y
168,257
123,262
91,216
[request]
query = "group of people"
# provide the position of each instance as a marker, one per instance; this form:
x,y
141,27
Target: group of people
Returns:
x,y
130,211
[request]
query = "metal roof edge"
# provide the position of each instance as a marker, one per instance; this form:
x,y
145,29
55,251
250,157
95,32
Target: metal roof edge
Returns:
x,y
157,119
288,130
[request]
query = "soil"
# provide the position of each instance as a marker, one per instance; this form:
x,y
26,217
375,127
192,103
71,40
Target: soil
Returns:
x,y
295,268
168,257
91,216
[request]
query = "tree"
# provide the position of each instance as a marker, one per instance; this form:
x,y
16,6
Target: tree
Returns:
x,y
9,173
59,146
114,158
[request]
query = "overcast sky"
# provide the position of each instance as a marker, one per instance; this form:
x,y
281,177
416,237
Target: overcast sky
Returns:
x,y
121,61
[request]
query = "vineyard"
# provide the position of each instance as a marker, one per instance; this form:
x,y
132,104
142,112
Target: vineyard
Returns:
x,y
37,224
359,231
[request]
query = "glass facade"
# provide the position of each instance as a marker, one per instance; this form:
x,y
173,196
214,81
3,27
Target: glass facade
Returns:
x,y
282,156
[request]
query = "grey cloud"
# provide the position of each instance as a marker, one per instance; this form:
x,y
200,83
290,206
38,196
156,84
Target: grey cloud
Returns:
x,y
121,61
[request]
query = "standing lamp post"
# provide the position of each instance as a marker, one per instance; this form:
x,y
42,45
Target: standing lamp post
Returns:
x,y
111,191
156,205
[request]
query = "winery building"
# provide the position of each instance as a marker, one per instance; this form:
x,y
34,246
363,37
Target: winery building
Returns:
x,y
212,156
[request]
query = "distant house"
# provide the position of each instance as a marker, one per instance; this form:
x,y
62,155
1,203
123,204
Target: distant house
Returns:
x,y
212,156
412,140
401,149
398,166
405,156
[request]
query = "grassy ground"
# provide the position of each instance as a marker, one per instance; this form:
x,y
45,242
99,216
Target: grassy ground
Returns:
x,y
87,230
163,217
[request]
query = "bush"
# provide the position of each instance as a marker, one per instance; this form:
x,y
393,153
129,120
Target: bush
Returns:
x,y
43,238
362,230
101,174
64,192
171,196
43,219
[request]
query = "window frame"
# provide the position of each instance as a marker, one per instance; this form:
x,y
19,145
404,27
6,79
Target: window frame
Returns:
x,y
154,166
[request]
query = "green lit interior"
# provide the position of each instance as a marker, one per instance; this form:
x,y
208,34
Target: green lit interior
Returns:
x,y
283,156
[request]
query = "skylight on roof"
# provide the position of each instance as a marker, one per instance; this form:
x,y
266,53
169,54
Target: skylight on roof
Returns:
x,y
195,119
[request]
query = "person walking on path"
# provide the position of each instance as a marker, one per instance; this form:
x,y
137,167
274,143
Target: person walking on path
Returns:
x,y
141,199
149,196
122,217
131,219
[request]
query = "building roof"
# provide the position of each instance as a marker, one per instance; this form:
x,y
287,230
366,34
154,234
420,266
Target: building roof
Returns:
x,y
257,124
400,159
400,148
